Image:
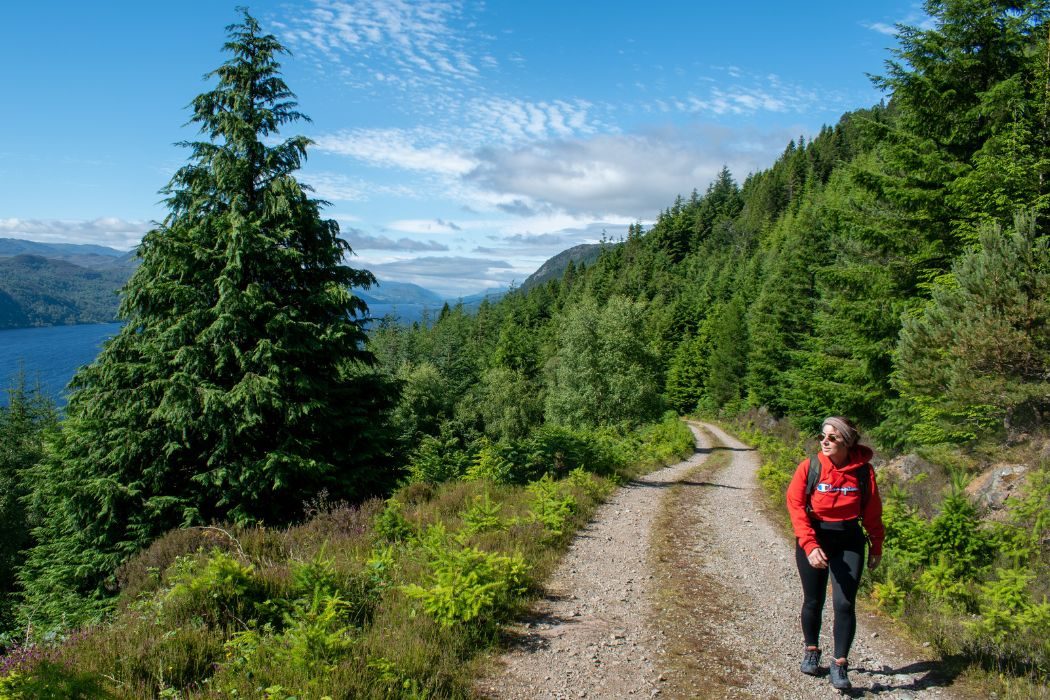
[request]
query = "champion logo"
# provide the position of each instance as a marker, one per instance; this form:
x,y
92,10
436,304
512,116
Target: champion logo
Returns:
x,y
827,488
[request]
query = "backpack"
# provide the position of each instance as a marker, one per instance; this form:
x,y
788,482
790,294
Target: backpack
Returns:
x,y
863,482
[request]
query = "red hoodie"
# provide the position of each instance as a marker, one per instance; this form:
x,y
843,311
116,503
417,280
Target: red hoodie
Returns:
x,y
839,500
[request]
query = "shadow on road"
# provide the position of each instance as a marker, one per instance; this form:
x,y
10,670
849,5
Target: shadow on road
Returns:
x,y
682,482
936,674
709,450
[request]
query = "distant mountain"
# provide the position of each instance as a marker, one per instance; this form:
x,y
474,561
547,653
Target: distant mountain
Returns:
x,y
10,247
54,284
39,291
472,302
554,268
390,292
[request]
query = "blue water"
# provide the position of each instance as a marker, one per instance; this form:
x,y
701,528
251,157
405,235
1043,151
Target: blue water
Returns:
x,y
49,356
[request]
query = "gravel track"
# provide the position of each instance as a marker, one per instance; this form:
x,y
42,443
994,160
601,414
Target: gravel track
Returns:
x,y
597,634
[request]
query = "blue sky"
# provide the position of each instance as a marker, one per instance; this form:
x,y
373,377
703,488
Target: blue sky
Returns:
x,y
460,143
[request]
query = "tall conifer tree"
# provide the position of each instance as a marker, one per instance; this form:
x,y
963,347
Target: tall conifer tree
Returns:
x,y
237,386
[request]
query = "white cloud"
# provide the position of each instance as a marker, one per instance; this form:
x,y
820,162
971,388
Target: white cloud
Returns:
x,y
362,241
451,275
629,175
916,17
336,187
881,28
753,94
414,43
424,226
397,148
507,120
106,231
542,246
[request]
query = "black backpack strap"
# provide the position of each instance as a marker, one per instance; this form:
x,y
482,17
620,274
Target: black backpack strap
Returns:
x,y
812,478
864,483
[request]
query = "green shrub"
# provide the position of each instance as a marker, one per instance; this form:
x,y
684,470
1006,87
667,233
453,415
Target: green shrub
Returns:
x,y
496,462
889,597
483,516
667,441
438,459
956,533
141,573
465,584
391,525
1011,627
219,591
594,487
47,679
317,634
394,682
550,506
555,449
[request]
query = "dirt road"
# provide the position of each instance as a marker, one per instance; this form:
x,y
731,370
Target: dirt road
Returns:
x,y
618,621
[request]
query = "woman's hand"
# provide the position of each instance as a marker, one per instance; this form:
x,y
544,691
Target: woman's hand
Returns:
x,y
817,559
873,560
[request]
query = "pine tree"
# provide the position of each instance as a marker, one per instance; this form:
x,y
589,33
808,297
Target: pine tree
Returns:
x,y
727,361
782,314
24,422
979,353
238,386
687,374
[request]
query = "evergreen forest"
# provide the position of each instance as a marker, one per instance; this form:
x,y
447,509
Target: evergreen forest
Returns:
x,y
276,499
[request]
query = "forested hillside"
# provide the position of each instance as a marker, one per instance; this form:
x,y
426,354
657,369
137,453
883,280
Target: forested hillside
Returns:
x,y
894,268
49,287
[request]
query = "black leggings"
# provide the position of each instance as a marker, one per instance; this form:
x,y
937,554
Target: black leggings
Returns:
x,y
845,553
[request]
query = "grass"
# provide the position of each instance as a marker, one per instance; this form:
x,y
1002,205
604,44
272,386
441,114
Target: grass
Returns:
x,y
696,658
386,599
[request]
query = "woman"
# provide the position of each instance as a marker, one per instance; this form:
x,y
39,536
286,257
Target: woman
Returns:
x,y
827,523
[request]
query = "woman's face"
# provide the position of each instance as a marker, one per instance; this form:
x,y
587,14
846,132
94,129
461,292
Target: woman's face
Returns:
x,y
833,445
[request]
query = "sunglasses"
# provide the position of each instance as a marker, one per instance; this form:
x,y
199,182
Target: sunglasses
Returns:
x,y
829,438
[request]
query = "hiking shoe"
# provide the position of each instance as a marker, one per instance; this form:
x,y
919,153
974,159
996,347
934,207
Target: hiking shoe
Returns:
x,y
810,662
839,679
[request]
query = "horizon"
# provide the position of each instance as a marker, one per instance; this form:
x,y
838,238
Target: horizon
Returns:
x,y
460,144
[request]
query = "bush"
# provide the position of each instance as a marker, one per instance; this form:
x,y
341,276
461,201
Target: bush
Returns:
x,y
219,591
142,572
391,525
438,459
467,585
495,462
483,516
550,506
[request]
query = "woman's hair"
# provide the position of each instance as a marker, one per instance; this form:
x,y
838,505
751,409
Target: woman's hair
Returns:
x,y
845,428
